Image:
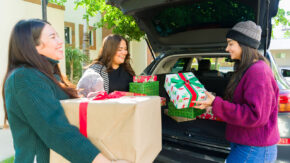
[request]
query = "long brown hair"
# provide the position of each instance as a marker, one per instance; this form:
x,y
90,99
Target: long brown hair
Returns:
x,y
22,52
108,51
248,57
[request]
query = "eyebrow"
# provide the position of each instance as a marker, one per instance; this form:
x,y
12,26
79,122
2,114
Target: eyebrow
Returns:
x,y
229,40
53,34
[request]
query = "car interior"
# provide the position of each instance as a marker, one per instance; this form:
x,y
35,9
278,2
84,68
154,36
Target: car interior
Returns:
x,y
214,72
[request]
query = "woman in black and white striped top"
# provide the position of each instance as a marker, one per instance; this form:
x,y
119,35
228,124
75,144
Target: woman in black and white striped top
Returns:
x,y
112,67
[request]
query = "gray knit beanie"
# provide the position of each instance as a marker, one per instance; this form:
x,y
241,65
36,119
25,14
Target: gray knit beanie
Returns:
x,y
246,33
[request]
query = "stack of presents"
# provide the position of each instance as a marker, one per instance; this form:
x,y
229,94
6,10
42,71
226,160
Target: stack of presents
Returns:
x,y
183,89
126,125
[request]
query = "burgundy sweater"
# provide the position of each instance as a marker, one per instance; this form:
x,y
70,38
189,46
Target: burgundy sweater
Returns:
x,y
252,116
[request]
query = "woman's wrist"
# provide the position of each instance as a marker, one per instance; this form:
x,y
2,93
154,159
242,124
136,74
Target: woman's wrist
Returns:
x,y
100,158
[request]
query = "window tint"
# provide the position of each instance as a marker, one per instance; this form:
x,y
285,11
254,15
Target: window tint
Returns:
x,y
203,14
224,66
179,65
221,64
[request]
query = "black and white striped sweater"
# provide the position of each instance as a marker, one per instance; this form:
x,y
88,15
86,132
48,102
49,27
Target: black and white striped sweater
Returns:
x,y
102,70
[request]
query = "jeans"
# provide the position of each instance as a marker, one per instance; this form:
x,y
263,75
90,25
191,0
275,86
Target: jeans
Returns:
x,y
252,154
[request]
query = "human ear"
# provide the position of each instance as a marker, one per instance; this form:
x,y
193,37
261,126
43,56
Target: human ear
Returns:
x,y
39,48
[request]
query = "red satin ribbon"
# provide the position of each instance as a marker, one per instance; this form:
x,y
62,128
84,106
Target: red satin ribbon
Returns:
x,y
188,86
83,108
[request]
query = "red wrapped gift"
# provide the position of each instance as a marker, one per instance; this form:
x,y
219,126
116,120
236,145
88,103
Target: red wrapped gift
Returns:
x,y
143,79
163,101
123,93
209,116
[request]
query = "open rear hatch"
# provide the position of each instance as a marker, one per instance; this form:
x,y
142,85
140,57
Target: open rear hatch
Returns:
x,y
183,25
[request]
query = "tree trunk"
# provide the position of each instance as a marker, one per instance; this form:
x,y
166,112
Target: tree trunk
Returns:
x,y
71,71
86,40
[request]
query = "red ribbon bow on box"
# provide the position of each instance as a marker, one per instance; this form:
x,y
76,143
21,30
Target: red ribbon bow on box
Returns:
x,y
83,107
98,96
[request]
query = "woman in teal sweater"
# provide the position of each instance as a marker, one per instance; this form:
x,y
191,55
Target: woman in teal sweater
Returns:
x,y
32,88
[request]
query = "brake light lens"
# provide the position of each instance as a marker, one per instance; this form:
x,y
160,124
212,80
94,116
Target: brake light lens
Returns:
x,y
284,141
284,103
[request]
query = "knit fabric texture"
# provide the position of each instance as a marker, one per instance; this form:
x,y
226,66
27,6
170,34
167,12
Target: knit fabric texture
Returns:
x,y
38,122
252,116
102,70
91,81
246,33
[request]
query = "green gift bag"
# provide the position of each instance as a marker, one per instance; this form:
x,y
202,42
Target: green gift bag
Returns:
x,y
186,112
148,88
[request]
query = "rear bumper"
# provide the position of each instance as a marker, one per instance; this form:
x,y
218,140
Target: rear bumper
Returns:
x,y
283,153
178,152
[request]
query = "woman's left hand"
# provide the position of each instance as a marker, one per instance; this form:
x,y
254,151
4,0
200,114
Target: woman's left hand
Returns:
x,y
205,104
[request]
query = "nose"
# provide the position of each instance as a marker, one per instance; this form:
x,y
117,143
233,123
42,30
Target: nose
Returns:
x,y
125,52
60,41
227,48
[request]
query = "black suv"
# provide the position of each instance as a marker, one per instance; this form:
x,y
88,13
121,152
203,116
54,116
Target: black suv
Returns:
x,y
187,33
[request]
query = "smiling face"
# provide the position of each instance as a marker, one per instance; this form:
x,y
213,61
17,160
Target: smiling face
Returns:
x,y
120,54
234,49
50,45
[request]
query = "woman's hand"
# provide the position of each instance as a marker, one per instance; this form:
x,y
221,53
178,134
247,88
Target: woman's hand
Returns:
x,y
100,158
205,104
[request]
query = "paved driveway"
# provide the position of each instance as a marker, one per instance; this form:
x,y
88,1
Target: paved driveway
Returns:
x,y
6,144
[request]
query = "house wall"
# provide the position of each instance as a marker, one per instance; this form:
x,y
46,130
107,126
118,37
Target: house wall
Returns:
x,y
75,16
138,51
11,12
280,49
282,57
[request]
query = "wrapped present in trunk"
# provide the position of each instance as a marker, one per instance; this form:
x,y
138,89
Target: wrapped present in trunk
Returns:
x,y
123,93
145,85
163,101
142,79
209,116
190,113
183,89
126,128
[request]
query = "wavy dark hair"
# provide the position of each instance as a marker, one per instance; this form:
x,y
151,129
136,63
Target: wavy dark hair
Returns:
x,y
108,51
248,57
22,52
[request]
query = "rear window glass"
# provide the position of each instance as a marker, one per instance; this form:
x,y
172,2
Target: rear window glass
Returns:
x,y
203,14
221,64
180,65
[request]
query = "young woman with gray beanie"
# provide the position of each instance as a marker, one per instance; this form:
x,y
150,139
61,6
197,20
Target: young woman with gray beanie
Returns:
x,y
250,105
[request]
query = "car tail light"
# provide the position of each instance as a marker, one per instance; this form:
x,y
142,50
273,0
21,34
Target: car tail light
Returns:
x,y
284,103
284,141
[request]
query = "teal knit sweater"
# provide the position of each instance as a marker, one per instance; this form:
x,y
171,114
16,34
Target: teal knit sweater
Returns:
x,y
38,122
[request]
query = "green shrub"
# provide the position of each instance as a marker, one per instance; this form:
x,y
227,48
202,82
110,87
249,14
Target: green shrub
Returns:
x,y
74,59
8,160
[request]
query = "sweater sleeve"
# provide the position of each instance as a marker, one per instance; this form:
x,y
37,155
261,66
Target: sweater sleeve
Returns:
x,y
45,115
255,105
91,81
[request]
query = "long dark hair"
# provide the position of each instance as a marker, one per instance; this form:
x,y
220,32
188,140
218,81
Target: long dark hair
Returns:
x,y
108,51
22,52
248,57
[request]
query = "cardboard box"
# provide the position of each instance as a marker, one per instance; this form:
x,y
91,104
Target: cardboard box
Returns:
x,y
127,128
